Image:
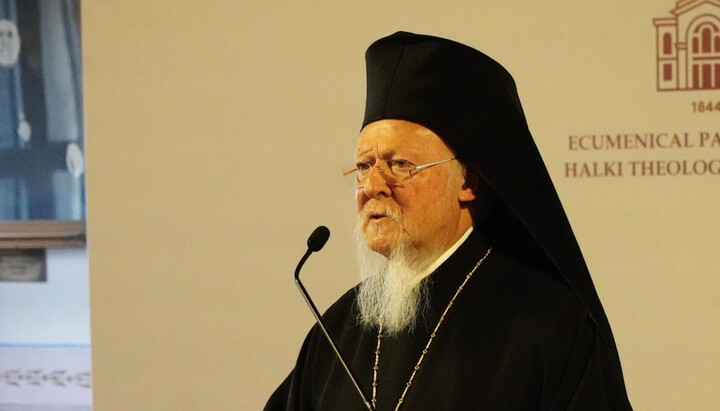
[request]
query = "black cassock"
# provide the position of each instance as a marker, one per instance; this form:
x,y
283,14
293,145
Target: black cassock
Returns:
x,y
515,339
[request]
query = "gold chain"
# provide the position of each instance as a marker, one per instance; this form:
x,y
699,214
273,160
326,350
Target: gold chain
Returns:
x,y
427,346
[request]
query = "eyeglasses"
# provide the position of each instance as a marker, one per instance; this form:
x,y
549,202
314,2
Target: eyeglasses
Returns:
x,y
399,170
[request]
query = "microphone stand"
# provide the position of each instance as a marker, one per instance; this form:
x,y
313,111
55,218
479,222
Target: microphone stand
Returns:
x,y
321,323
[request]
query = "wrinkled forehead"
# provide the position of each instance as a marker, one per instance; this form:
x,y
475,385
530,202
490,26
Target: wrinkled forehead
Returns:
x,y
399,137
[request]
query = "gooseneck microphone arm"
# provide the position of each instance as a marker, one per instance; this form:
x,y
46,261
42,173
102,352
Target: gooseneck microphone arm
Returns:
x,y
315,242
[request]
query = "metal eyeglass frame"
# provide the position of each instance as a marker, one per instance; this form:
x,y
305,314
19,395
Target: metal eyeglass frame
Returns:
x,y
411,170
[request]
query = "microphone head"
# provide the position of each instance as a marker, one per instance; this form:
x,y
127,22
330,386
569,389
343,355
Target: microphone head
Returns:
x,y
318,238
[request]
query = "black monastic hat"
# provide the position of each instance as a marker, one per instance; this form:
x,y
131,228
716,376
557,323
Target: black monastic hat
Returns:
x,y
471,102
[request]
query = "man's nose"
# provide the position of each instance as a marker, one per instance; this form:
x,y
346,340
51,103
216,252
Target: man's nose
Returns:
x,y
376,183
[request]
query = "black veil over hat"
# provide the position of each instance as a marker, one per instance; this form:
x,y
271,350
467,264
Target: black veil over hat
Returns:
x,y
471,102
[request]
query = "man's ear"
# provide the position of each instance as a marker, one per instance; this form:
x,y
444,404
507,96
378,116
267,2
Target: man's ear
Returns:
x,y
469,190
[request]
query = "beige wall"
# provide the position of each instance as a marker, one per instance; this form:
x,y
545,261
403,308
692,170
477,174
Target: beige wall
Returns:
x,y
216,133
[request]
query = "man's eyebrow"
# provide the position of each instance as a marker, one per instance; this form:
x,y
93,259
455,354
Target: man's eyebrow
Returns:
x,y
385,154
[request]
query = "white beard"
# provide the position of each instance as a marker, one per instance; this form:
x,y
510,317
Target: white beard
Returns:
x,y
394,290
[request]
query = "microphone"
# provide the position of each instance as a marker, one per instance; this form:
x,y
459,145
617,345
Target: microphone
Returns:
x,y
315,243
318,238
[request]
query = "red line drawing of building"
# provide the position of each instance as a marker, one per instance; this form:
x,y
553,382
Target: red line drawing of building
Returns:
x,y
688,46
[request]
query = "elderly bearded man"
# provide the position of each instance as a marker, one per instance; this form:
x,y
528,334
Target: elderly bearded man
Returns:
x,y
475,295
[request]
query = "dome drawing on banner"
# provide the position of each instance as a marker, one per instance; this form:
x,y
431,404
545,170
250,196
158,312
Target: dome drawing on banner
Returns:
x,y
688,47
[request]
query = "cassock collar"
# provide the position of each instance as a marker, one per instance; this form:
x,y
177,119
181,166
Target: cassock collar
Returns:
x,y
450,251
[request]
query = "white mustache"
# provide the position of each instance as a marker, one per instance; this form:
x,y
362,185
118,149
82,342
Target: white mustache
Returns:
x,y
373,208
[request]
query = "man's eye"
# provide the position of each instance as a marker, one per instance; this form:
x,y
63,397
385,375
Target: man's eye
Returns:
x,y
400,164
363,166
